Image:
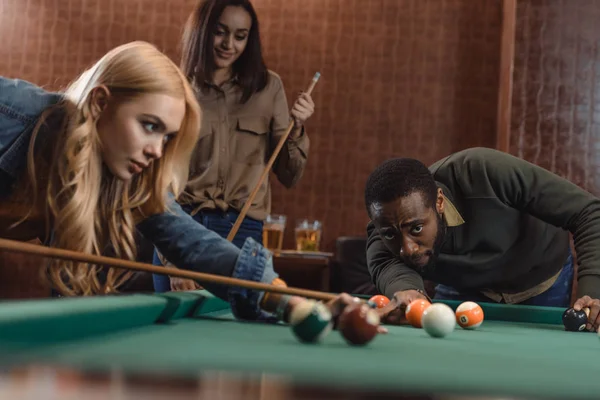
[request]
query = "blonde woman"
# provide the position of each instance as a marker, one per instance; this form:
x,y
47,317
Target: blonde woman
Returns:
x,y
105,159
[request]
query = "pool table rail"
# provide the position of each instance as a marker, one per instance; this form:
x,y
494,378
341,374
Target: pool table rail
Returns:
x,y
71,318
63,319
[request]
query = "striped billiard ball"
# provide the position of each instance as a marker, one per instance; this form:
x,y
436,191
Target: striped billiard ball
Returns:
x,y
469,315
414,312
311,321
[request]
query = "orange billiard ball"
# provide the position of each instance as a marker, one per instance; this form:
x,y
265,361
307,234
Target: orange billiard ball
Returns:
x,y
469,315
414,312
379,301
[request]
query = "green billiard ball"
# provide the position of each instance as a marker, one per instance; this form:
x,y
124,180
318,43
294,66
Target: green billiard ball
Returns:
x,y
311,321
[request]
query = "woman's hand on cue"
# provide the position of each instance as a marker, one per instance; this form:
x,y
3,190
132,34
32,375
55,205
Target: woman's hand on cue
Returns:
x,y
182,285
302,110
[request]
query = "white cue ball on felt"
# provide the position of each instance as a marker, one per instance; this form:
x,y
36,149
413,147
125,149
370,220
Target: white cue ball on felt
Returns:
x,y
438,320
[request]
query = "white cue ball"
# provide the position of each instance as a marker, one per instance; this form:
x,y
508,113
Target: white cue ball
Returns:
x,y
438,320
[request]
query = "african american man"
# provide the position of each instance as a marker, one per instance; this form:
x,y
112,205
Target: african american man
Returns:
x,y
484,226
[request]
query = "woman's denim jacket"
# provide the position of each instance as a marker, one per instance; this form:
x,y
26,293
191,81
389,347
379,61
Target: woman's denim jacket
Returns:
x,y
183,241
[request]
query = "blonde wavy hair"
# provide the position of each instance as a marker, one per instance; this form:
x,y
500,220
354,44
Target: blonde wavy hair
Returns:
x,y
86,208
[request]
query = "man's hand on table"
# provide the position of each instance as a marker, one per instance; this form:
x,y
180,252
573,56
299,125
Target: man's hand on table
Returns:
x,y
393,312
594,315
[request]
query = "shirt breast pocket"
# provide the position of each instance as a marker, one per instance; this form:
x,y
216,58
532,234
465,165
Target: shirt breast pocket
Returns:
x,y
206,149
251,140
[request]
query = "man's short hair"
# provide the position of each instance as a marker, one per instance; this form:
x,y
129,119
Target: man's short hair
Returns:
x,y
397,178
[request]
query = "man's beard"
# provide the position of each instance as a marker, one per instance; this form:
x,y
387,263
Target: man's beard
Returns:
x,y
433,253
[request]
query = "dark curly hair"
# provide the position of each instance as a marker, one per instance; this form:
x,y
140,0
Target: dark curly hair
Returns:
x,y
399,177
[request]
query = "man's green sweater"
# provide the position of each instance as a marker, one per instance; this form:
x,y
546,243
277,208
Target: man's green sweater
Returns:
x,y
515,232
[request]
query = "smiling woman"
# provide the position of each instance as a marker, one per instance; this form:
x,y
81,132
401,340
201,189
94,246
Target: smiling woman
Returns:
x,y
245,115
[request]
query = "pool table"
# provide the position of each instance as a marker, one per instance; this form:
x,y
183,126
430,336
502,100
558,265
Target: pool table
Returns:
x,y
519,351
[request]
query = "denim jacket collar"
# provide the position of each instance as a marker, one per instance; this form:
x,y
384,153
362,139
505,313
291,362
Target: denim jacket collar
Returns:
x,y
21,104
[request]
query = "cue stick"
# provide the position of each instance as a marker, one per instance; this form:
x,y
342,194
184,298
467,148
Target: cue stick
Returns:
x,y
265,173
29,248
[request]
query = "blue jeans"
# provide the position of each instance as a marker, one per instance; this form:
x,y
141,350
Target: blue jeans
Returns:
x,y
558,295
218,222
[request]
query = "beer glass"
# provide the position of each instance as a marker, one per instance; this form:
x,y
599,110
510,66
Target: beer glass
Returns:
x,y
308,235
273,230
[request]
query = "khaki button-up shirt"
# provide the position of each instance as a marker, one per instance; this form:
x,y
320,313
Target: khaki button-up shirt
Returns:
x,y
236,142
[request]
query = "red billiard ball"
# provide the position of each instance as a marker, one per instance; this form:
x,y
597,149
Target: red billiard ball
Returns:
x,y
358,324
379,301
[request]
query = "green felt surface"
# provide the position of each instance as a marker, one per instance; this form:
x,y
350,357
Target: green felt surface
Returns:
x,y
198,333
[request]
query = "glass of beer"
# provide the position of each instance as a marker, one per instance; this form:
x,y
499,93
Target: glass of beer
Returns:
x,y
273,229
308,235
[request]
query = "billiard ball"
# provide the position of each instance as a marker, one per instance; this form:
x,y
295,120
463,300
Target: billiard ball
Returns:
x,y
439,320
414,312
311,321
358,324
469,315
379,301
575,321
